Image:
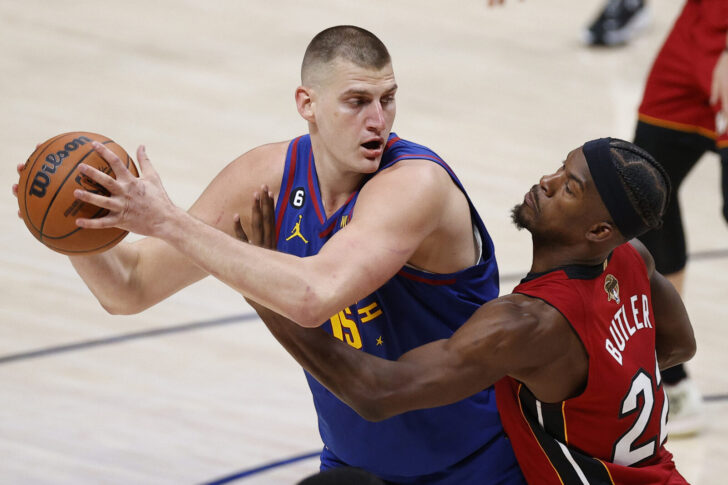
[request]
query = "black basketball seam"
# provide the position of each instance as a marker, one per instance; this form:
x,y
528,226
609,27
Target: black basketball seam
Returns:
x,y
48,143
30,169
85,251
95,215
50,204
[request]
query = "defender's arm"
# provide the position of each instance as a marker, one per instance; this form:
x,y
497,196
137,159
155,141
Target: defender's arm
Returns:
x,y
515,335
675,341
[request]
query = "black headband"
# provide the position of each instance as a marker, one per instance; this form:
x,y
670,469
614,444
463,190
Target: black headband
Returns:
x,y
606,179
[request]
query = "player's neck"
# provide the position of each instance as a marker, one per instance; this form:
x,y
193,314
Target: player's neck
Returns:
x,y
336,183
547,256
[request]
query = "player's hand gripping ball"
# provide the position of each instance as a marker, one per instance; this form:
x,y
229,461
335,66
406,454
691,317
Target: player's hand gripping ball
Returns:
x,y
45,193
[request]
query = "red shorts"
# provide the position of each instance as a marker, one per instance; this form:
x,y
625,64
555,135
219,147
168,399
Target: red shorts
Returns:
x,y
677,94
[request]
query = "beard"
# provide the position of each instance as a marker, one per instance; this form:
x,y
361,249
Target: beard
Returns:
x,y
542,236
517,217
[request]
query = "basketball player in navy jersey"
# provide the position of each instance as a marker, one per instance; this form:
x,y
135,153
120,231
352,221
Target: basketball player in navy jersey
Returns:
x,y
380,246
575,351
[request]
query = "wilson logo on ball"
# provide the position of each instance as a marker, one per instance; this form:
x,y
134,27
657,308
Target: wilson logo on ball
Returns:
x,y
41,180
47,186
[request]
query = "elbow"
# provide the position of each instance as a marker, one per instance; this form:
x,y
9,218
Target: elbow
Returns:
x,y
373,414
370,407
309,319
686,350
121,306
113,308
312,309
305,315
369,396
319,296
676,354
690,349
378,395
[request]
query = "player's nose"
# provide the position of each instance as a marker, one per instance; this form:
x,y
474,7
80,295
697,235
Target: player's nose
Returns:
x,y
375,119
548,183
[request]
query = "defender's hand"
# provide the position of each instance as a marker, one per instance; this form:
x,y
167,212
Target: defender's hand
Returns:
x,y
262,219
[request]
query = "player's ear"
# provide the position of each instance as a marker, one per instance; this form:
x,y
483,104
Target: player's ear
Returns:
x,y
601,231
304,103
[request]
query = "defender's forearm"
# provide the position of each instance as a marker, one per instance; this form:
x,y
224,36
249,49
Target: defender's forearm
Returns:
x,y
344,371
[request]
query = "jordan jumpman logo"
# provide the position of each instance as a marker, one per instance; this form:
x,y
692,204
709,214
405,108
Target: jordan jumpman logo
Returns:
x,y
297,231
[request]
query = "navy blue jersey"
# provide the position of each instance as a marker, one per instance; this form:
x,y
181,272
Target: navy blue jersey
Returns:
x,y
413,308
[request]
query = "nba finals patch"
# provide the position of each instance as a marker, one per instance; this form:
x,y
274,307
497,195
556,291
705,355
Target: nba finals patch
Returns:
x,y
611,286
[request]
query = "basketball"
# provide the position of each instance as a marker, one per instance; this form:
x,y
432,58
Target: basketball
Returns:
x,y
45,193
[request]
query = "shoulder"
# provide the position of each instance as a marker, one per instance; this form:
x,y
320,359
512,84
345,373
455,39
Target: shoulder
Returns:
x,y
540,312
530,320
645,254
548,349
419,175
266,159
232,189
521,316
409,194
526,333
399,147
261,165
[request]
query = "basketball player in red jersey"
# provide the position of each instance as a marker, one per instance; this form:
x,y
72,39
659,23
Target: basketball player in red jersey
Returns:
x,y
575,351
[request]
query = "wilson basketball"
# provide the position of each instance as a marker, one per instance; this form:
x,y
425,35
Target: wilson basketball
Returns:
x,y
45,193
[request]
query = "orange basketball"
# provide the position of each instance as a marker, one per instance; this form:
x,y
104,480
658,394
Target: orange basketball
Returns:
x,y
45,193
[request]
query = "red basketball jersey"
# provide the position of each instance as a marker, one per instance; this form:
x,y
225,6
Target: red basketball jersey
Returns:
x,y
614,431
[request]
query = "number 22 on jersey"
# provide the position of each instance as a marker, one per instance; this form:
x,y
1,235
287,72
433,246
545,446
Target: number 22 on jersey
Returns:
x,y
633,447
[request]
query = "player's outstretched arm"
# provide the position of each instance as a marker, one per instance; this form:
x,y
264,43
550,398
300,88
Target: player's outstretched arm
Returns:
x,y
397,210
674,340
513,335
134,276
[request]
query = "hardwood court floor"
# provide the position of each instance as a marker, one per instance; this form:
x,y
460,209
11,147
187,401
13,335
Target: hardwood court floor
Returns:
x,y
502,94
